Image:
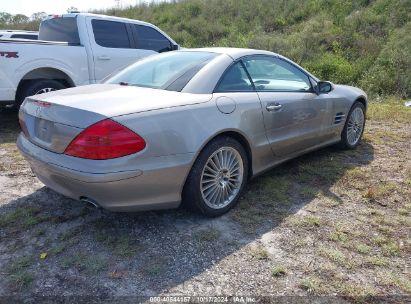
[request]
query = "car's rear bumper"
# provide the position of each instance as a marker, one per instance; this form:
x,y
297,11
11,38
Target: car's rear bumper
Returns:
x,y
157,185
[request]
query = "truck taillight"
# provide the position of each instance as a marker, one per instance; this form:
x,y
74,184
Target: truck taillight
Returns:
x,y
105,139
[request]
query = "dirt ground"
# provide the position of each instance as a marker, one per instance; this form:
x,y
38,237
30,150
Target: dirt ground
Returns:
x,y
329,223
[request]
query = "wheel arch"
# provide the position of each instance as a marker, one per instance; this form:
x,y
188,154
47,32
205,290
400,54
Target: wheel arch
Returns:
x,y
235,134
363,100
44,73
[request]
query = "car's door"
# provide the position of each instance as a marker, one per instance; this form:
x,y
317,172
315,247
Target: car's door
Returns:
x,y
112,45
235,95
294,115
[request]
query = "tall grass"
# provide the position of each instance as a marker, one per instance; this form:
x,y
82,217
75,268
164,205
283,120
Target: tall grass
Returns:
x,y
357,42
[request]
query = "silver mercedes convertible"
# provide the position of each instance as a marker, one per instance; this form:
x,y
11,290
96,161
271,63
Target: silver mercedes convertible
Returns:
x,y
188,126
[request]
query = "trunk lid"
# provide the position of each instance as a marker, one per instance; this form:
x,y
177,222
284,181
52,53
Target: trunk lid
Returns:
x,y
52,120
52,126
113,100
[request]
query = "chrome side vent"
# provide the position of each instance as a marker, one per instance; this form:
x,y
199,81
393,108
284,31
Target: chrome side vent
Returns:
x,y
339,117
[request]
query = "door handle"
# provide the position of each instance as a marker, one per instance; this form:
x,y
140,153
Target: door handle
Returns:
x,y
273,107
103,57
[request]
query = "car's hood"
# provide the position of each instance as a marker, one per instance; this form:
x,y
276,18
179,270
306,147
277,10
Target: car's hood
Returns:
x,y
351,90
114,100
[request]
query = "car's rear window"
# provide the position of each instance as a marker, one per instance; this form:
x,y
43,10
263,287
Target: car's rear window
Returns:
x,y
168,71
63,29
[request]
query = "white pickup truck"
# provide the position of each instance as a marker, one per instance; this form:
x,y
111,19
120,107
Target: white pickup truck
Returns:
x,y
74,49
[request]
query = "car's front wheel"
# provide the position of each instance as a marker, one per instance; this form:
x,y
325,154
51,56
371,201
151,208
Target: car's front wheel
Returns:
x,y
354,127
217,177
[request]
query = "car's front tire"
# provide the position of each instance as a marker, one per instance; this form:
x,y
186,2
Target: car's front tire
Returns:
x,y
354,127
217,177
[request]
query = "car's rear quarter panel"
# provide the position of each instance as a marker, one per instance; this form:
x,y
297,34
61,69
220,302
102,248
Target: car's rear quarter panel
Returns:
x,y
188,129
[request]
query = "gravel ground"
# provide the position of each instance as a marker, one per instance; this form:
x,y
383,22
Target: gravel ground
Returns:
x,y
329,223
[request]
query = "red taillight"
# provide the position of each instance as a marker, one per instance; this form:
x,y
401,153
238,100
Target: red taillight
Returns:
x,y
105,140
23,128
42,104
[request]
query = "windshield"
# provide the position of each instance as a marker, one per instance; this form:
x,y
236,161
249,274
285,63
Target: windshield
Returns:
x,y
167,71
62,29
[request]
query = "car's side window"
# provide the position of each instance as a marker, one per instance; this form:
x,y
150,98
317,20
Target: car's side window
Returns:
x,y
149,38
111,34
235,79
274,74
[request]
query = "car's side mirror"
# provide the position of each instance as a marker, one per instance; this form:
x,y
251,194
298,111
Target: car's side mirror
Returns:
x,y
324,87
174,47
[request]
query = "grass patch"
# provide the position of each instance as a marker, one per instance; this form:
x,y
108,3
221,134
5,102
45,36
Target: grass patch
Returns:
x,y
322,169
22,279
309,192
275,188
376,261
278,271
123,245
25,217
403,211
362,248
380,191
354,290
20,264
311,285
19,276
380,240
335,256
154,267
59,248
339,236
355,174
306,221
248,216
259,252
89,264
391,249
392,110
389,278
208,235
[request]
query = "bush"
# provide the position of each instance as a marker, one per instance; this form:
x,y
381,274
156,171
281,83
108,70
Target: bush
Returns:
x,y
360,42
391,72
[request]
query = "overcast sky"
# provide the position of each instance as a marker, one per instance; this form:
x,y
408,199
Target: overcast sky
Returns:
x,y
28,7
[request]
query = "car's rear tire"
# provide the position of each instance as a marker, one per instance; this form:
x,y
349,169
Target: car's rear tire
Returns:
x,y
217,178
34,87
354,127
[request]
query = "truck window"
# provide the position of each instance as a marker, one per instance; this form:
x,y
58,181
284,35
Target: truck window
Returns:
x,y
62,29
24,36
111,34
150,39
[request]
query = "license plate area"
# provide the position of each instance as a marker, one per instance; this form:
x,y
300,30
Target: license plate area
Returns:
x,y
43,129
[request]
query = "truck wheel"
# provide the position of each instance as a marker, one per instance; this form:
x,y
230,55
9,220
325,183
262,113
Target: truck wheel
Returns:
x,y
35,87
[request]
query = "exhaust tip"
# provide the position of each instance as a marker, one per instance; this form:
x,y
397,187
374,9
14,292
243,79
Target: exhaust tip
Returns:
x,y
89,202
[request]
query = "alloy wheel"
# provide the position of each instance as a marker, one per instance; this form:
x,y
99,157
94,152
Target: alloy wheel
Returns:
x,y
222,177
355,126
